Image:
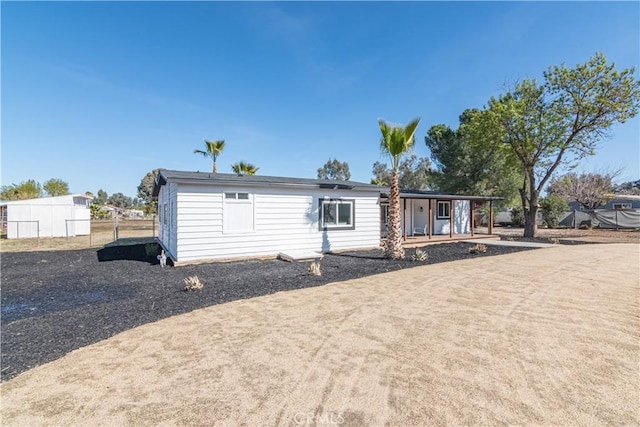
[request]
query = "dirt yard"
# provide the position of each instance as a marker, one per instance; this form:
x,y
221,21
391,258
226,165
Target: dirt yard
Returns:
x,y
593,235
542,337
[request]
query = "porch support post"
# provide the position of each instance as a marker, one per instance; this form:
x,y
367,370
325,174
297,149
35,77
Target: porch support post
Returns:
x,y
430,218
404,214
490,217
451,215
472,220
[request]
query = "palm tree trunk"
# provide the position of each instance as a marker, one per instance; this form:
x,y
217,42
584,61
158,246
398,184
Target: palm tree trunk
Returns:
x,y
393,248
215,168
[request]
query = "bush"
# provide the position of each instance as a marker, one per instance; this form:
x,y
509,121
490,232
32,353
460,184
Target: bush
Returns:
x,y
517,217
192,283
478,248
552,207
314,269
420,255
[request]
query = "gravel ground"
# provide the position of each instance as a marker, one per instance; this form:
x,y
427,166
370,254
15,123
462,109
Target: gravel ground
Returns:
x,y
55,302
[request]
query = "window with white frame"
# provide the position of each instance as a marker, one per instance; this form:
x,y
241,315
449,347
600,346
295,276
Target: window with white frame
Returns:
x,y
444,209
622,206
238,213
337,214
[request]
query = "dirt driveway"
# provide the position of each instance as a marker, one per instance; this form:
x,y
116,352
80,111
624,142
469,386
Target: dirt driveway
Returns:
x,y
544,337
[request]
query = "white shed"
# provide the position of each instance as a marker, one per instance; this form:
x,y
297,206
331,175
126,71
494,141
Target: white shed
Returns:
x,y
58,216
207,216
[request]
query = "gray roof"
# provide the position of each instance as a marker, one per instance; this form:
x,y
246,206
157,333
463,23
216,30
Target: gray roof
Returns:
x,y
218,179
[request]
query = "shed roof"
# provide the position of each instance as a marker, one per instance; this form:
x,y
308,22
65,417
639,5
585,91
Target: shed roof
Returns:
x,y
50,200
217,179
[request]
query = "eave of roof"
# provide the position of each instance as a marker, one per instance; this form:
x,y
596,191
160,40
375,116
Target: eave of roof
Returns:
x,y
218,179
425,195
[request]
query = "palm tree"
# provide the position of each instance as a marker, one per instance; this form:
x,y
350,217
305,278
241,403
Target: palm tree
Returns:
x,y
396,141
213,150
244,168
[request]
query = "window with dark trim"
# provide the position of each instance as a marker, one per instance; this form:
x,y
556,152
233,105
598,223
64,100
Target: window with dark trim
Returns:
x,y
337,214
617,206
444,210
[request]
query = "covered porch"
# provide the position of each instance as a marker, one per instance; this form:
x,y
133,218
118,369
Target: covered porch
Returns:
x,y
428,217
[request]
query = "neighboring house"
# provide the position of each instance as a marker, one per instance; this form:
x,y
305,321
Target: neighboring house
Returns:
x,y
134,213
58,216
621,201
617,201
426,213
207,216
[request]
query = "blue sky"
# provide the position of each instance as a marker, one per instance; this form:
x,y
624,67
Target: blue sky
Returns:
x,y
99,94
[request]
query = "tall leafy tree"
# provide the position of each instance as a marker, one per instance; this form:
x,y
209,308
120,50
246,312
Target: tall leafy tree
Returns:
x,y
244,168
29,189
335,170
213,149
101,197
559,122
413,173
465,165
395,142
120,200
145,191
56,187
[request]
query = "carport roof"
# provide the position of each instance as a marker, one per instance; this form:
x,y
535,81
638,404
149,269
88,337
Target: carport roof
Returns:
x,y
417,194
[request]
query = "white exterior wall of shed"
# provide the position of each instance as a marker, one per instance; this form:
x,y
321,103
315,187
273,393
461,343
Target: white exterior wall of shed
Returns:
x,y
48,217
283,220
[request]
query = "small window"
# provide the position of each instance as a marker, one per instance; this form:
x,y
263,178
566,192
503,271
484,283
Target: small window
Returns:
x,y
337,214
444,210
622,206
236,196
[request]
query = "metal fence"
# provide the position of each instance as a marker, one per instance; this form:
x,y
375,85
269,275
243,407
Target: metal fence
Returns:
x,y
102,232
115,229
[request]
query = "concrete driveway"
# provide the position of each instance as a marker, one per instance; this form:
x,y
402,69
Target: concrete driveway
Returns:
x,y
543,337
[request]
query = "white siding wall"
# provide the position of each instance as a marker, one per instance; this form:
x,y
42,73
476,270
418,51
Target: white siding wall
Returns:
x,y
285,220
460,219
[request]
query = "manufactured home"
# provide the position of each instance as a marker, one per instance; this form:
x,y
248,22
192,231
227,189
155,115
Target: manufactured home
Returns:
x,y
60,216
209,216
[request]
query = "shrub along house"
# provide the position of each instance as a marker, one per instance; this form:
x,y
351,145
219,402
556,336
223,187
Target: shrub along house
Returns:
x,y
207,216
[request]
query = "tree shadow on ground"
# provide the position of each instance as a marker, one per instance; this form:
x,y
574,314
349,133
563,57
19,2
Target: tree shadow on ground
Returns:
x,y
146,252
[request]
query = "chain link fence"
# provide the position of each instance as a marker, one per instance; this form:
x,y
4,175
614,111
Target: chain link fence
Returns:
x,y
102,232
